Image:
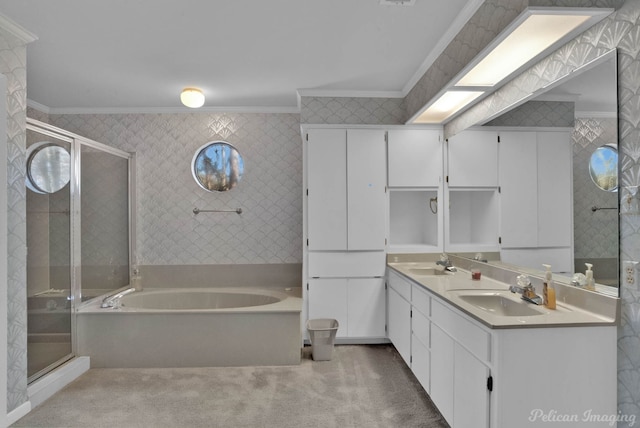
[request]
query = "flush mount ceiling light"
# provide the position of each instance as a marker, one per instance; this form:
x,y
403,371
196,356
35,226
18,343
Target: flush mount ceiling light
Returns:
x,y
192,97
534,33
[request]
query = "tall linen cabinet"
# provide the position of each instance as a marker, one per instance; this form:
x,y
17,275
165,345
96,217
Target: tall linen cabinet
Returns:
x,y
345,230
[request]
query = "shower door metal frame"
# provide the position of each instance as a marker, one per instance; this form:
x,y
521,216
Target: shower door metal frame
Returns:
x,y
77,142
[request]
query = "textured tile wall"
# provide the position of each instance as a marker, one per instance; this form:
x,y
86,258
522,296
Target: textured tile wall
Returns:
x,y
352,111
270,192
538,113
13,55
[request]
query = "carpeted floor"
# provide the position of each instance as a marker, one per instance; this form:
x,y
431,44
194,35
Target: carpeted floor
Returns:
x,y
362,386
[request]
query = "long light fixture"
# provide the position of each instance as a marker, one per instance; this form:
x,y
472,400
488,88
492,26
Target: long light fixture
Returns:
x,y
448,103
533,33
192,97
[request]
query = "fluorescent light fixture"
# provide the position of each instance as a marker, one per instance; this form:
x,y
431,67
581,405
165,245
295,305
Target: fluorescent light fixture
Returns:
x,y
192,97
449,103
538,32
535,32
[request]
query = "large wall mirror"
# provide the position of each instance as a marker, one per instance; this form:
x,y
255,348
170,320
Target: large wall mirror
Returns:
x,y
590,93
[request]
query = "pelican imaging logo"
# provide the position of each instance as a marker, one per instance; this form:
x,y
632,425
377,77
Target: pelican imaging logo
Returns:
x,y
588,416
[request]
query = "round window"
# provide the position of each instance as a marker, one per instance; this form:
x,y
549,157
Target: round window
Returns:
x,y
217,166
48,167
603,168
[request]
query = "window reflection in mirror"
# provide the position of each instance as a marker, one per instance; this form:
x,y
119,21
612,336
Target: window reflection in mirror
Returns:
x,y
217,166
603,168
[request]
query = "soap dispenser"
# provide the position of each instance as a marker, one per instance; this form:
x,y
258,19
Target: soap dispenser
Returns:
x,y
591,284
548,292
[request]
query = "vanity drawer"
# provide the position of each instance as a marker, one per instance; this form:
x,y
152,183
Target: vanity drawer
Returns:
x,y
399,284
463,331
420,300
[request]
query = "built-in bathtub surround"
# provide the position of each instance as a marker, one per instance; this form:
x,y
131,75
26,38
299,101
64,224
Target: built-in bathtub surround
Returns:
x,y
194,327
269,230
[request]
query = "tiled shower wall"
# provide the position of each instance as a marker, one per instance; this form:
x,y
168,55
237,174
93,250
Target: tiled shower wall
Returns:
x,y
270,193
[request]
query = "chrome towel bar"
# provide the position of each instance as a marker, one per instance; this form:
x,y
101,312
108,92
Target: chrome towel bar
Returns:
x,y
197,211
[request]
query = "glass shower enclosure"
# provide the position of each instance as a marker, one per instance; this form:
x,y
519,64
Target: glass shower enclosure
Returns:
x,y
79,245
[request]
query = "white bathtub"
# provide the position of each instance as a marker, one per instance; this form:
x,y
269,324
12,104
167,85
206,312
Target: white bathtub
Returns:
x,y
193,327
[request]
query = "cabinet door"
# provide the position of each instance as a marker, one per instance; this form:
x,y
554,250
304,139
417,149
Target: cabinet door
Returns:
x,y
555,210
327,189
442,364
414,158
473,159
366,181
400,324
519,189
366,307
328,299
470,393
420,356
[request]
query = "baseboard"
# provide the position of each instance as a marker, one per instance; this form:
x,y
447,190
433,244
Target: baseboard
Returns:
x,y
20,411
356,341
45,387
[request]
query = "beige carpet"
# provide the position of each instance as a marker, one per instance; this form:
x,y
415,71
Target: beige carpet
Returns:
x,y
362,386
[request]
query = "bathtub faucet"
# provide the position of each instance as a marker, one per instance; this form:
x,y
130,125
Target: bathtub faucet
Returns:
x,y
113,301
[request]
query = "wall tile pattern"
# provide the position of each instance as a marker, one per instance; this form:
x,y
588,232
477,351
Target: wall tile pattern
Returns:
x,y
352,111
13,57
595,233
270,192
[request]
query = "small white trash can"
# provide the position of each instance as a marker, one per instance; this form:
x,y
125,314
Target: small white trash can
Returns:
x,y
322,333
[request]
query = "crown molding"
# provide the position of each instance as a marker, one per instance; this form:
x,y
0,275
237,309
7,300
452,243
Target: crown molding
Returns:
x,y
161,110
17,30
463,17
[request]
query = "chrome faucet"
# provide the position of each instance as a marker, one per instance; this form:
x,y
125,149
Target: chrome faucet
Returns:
x,y
113,301
528,293
444,261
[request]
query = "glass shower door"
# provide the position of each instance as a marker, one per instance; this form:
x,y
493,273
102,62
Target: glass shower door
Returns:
x,y
48,207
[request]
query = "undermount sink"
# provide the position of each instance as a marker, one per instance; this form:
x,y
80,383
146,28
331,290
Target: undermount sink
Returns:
x,y
498,304
427,271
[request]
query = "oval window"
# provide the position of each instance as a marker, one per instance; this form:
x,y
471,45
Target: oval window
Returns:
x,y
217,166
603,168
48,167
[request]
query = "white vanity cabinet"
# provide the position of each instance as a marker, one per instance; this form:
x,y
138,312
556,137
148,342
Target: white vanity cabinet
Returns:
x,y
346,189
399,315
415,180
484,377
536,198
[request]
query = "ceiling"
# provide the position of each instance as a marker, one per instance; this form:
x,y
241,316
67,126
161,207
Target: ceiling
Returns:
x,y
137,55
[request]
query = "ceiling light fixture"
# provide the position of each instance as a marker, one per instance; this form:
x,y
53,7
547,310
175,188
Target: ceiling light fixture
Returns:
x,y
449,103
192,97
535,32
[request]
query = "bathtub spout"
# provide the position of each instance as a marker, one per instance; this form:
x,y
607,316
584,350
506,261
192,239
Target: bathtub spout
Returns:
x,y
113,301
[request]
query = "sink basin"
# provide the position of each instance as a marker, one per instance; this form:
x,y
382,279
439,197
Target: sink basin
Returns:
x,y
427,271
498,304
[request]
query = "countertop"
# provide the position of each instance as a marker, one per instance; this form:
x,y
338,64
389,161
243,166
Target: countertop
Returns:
x,y
450,286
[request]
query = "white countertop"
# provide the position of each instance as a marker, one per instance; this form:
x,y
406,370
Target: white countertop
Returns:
x,y
451,286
